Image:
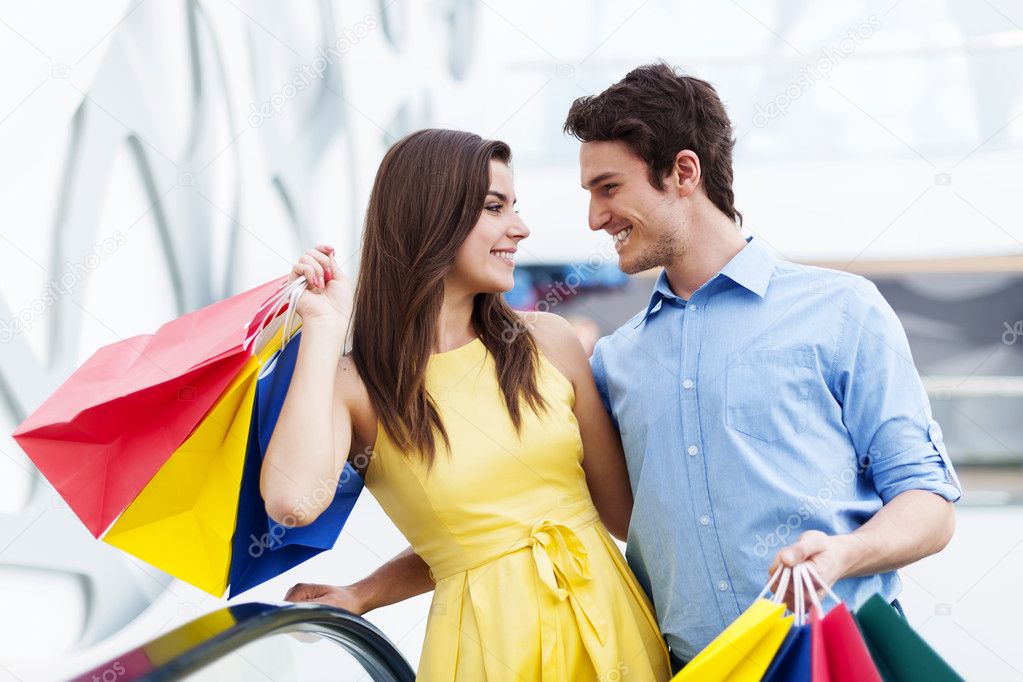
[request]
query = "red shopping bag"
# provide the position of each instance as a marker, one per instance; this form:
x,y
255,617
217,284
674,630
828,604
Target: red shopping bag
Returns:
x,y
838,651
849,659
818,655
103,435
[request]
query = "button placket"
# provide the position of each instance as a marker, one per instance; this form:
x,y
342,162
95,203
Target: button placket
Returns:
x,y
692,326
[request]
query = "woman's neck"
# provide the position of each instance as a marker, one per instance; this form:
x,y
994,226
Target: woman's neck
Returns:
x,y
454,325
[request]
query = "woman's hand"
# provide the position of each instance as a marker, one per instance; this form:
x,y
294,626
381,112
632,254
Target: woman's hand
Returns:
x,y
333,595
329,294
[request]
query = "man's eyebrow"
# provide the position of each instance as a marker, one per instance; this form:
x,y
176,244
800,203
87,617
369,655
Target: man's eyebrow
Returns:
x,y
503,197
600,178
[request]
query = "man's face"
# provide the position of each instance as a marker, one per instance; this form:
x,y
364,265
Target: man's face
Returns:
x,y
646,224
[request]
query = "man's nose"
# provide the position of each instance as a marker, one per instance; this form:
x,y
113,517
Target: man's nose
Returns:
x,y
599,216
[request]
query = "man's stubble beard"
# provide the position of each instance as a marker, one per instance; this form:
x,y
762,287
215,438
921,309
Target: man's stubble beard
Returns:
x,y
667,249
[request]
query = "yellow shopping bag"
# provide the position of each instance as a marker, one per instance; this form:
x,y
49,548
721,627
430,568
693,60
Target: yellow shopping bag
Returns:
x,y
743,652
183,520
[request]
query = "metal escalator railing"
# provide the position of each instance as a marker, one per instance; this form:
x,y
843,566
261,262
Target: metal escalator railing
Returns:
x,y
215,635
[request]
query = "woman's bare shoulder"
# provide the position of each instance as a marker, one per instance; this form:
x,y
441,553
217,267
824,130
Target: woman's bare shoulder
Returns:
x,y
557,340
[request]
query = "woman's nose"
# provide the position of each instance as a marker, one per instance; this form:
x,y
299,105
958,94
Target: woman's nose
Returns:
x,y
519,229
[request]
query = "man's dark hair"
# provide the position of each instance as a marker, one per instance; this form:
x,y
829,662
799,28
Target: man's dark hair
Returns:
x,y
657,113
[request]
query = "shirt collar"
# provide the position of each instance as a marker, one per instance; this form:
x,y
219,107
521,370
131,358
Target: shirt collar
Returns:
x,y
751,269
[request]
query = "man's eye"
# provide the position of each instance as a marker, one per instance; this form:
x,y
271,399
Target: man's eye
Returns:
x,y
608,187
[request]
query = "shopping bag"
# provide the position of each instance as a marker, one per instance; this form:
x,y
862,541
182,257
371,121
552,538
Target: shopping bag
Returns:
x,y
745,649
107,430
838,652
183,520
262,548
792,662
900,653
849,659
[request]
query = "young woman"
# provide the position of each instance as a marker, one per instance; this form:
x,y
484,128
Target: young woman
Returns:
x,y
477,421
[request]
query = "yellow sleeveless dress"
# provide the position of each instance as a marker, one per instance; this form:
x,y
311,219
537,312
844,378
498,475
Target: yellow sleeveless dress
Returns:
x,y
529,583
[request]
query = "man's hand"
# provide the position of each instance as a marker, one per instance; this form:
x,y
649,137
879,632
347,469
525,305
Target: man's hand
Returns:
x,y
830,555
345,597
912,525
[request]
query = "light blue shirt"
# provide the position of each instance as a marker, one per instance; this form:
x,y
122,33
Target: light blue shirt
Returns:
x,y
778,399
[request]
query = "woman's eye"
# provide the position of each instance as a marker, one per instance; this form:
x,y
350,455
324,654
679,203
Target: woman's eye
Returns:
x,y
495,208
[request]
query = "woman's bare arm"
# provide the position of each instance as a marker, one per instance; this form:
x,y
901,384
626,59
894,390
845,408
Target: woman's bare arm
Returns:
x,y
403,577
313,435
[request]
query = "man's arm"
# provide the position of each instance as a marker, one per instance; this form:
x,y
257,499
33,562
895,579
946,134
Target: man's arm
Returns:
x,y
913,525
403,577
900,450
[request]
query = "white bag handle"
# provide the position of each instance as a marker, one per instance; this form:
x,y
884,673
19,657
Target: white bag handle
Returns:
x,y
800,610
803,574
827,589
783,571
774,578
295,293
289,293
268,305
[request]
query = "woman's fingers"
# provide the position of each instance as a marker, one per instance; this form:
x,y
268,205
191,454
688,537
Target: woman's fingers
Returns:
x,y
324,255
307,271
316,265
304,592
317,270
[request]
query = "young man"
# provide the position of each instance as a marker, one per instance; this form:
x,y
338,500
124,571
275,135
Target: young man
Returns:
x,y
758,400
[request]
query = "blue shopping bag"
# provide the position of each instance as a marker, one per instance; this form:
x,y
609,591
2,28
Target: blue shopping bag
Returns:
x,y
792,662
261,548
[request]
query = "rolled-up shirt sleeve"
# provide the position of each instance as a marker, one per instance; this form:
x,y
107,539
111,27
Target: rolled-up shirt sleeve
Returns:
x,y
884,406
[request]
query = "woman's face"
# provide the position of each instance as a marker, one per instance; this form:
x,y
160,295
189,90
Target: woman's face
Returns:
x,y
485,261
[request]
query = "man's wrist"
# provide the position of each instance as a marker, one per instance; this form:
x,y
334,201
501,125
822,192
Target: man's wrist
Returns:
x,y
854,553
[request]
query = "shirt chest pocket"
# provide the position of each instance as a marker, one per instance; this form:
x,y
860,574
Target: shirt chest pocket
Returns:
x,y
768,392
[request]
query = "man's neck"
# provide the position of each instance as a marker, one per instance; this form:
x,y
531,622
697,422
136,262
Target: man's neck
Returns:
x,y
712,243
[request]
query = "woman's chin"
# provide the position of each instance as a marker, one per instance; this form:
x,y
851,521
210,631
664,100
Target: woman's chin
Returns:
x,y
500,285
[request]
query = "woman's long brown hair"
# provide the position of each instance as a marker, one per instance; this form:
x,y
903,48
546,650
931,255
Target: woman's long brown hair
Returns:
x,y
428,194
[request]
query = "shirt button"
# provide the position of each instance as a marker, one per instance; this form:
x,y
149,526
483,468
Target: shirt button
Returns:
x,y
723,585
693,450
688,383
704,520
692,306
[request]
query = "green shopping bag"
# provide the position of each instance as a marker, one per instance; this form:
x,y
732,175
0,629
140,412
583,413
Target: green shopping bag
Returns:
x,y
900,653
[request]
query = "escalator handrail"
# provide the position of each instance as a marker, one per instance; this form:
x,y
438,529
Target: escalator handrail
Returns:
x,y
205,640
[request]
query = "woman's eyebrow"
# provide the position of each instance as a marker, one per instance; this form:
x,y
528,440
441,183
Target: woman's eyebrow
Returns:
x,y
500,195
